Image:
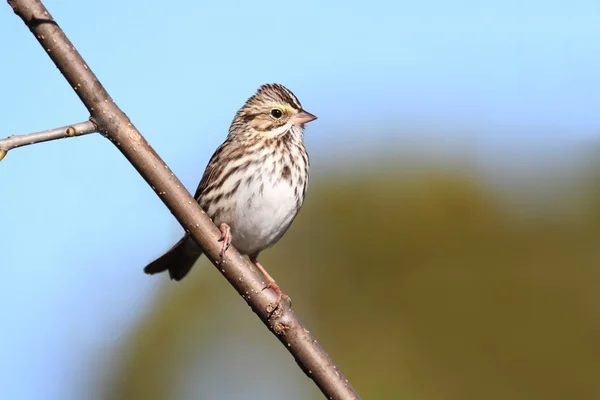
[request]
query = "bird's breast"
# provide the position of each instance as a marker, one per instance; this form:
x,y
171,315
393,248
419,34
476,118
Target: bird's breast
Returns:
x,y
259,195
266,205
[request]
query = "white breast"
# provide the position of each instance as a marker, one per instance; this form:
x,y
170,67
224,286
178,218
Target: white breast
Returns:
x,y
264,211
262,197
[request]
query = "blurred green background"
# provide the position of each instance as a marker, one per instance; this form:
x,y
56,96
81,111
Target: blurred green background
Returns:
x,y
431,284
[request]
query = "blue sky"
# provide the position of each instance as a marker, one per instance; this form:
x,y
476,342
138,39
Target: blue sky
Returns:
x,y
78,223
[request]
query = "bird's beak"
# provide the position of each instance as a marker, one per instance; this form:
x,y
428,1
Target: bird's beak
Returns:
x,y
303,117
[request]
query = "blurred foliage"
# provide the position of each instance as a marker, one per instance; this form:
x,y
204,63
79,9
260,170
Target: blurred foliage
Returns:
x,y
419,287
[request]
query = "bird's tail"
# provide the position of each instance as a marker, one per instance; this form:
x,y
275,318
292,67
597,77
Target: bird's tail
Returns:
x,y
178,260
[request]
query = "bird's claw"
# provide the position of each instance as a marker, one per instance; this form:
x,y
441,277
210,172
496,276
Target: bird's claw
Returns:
x,y
275,306
225,238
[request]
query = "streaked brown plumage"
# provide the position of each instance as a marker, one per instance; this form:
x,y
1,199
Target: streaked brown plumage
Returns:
x,y
255,182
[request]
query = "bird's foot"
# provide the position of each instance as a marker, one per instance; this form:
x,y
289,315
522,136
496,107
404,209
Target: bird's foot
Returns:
x,y
274,308
271,284
225,238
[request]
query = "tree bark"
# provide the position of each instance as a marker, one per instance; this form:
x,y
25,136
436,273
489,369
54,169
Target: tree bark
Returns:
x,y
12,142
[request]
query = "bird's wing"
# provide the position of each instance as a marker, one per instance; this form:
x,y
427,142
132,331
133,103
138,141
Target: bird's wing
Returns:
x,y
212,171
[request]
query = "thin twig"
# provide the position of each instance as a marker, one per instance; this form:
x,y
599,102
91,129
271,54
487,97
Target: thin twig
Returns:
x,y
12,142
115,125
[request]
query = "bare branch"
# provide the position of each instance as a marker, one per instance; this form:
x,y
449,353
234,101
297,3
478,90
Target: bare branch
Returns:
x,y
11,142
116,126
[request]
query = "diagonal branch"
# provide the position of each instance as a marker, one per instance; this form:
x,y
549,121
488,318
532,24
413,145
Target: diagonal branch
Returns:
x,y
117,127
12,142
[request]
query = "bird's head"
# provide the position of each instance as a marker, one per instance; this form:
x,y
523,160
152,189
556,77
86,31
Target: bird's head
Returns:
x,y
272,112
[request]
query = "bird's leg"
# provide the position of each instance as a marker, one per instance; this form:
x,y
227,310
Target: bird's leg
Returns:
x,y
225,238
271,284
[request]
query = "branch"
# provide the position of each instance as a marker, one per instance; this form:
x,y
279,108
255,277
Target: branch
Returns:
x,y
117,127
11,142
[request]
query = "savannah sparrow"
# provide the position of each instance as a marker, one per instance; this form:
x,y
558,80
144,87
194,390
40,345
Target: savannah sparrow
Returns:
x,y
254,184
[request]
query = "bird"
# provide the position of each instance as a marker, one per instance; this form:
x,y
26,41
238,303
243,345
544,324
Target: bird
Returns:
x,y
254,184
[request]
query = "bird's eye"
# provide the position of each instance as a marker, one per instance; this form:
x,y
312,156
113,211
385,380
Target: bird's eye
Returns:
x,y
276,113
